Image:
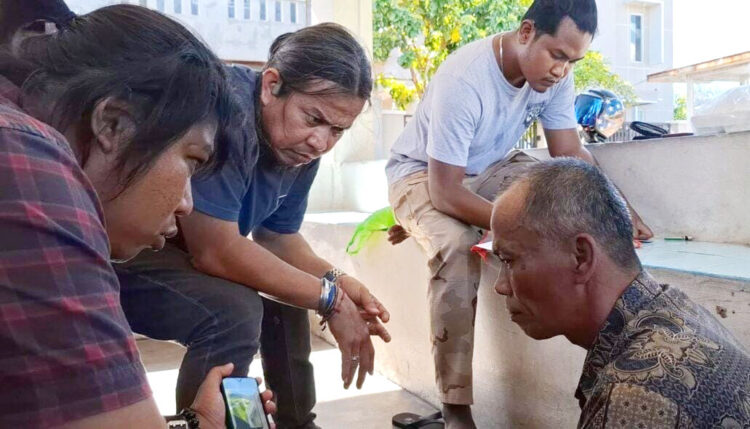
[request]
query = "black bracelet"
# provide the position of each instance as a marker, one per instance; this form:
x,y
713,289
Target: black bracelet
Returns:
x,y
187,419
192,419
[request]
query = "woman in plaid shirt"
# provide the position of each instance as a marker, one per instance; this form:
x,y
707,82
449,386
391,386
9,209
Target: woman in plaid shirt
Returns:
x,y
102,124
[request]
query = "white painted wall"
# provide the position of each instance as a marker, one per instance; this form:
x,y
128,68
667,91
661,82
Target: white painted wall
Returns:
x,y
358,144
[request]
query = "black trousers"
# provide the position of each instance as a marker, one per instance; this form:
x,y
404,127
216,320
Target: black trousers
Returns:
x,y
219,321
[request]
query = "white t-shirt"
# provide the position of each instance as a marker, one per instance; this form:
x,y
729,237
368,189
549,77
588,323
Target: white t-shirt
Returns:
x,y
471,116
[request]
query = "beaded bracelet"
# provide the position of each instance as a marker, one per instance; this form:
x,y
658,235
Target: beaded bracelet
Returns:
x,y
192,419
341,293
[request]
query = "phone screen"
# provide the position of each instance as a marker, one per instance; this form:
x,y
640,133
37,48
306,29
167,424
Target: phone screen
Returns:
x,y
244,408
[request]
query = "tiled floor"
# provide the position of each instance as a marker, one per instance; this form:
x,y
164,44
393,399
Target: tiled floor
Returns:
x,y
369,408
714,259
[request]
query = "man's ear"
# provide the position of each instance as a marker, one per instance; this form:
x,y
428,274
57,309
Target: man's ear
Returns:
x,y
526,32
587,256
112,125
270,86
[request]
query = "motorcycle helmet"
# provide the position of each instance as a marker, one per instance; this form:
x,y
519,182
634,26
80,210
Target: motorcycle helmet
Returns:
x,y
600,113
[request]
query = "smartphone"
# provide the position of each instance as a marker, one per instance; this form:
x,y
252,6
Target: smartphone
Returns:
x,y
244,406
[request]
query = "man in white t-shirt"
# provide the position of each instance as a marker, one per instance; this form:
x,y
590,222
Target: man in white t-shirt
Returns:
x,y
453,158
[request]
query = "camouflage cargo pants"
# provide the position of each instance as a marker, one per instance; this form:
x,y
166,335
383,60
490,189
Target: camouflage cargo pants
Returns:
x,y
454,270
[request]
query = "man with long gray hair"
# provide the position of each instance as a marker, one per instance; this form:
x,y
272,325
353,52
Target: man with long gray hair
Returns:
x,y
655,358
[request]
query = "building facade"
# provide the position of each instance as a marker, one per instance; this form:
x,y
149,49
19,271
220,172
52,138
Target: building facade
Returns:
x,y
636,38
237,30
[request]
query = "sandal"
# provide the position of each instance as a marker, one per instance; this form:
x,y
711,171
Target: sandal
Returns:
x,y
414,421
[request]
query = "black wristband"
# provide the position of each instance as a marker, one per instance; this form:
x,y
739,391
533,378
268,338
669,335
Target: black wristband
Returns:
x,y
191,417
187,419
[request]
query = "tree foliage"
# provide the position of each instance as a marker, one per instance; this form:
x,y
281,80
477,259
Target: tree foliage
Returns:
x,y
425,32
593,72
680,109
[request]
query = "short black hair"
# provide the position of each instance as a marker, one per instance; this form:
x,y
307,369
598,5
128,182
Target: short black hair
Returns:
x,y
547,15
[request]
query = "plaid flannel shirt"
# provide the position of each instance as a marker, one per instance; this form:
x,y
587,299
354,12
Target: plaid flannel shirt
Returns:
x,y
66,349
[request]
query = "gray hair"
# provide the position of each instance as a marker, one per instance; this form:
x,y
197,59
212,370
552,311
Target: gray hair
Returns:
x,y
567,196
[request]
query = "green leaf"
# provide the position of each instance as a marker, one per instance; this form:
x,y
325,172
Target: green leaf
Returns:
x,y
425,32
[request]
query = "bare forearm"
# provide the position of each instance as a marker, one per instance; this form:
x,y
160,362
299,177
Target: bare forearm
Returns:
x,y
246,262
576,151
464,205
294,250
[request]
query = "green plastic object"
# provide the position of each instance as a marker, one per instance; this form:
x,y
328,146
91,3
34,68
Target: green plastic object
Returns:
x,y
381,220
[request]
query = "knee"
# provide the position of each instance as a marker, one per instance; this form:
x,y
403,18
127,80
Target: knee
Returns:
x,y
458,245
242,309
238,316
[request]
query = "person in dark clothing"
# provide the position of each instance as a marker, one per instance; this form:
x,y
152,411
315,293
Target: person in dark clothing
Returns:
x,y
243,239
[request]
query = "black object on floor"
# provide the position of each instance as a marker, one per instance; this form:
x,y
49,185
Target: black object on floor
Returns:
x,y
414,421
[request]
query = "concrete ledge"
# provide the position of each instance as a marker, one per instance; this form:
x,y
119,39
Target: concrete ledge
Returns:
x,y
519,382
694,186
725,261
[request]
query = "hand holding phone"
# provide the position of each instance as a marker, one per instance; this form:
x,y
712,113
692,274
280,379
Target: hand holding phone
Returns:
x,y
244,404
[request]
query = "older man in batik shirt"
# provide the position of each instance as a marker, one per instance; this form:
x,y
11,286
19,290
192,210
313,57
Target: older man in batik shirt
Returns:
x,y
656,359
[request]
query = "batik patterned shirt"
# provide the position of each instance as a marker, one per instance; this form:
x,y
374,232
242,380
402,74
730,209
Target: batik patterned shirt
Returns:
x,y
66,349
662,361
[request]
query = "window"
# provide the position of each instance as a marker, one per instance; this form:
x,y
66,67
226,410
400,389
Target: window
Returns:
x,y
194,7
293,12
160,5
277,11
230,11
263,15
143,3
246,9
177,6
636,38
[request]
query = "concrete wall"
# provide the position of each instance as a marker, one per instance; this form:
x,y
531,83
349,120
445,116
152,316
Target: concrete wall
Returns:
x,y
519,382
698,186
356,145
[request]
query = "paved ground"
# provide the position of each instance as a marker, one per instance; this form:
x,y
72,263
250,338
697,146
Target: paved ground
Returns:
x,y
369,408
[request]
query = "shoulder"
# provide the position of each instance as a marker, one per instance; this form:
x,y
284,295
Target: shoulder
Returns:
x,y
40,167
469,63
243,80
20,127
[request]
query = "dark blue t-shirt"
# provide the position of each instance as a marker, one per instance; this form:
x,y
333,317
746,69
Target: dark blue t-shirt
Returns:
x,y
252,188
